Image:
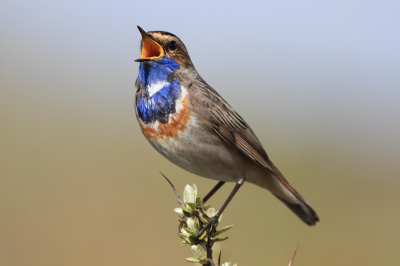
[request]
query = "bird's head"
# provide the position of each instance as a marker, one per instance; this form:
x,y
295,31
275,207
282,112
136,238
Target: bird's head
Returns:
x,y
159,46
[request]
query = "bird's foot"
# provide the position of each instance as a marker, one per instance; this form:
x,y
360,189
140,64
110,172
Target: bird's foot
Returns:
x,y
210,225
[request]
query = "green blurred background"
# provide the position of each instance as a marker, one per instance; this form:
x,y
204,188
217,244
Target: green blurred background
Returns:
x,y
318,83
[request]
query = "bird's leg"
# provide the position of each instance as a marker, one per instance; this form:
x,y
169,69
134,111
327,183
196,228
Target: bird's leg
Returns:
x,y
213,220
212,192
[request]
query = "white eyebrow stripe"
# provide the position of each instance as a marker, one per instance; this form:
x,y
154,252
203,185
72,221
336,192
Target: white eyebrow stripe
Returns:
x,y
156,87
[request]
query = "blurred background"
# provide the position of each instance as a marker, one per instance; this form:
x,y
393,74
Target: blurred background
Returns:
x,y
318,82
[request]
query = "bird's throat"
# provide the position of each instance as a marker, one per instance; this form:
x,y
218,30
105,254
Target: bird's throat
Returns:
x,y
155,74
158,100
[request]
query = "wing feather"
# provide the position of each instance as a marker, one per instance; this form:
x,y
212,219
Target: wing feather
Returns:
x,y
230,126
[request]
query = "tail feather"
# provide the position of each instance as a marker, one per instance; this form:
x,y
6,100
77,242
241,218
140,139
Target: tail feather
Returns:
x,y
291,198
304,211
276,183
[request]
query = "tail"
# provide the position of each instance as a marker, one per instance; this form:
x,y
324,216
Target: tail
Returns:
x,y
281,188
304,211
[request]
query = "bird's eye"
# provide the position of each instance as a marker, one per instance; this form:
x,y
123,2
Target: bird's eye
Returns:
x,y
173,45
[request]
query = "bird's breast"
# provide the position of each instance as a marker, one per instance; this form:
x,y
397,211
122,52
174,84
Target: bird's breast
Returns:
x,y
171,126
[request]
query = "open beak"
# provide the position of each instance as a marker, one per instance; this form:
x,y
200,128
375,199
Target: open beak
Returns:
x,y
150,49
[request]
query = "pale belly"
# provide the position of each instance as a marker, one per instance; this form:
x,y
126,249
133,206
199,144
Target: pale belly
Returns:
x,y
201,153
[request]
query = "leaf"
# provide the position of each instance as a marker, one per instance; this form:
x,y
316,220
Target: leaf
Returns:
x,y
219,220
211,212
203,246
220,238
184,233
182,236
190,223
191,206
193,224
187,239
194,260
203,235
190,194
199,251
185,243
199,202
186,209
222,230
179,211
196,224
192,233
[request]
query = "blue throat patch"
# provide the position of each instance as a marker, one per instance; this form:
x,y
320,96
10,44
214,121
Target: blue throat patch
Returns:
x,y
158,106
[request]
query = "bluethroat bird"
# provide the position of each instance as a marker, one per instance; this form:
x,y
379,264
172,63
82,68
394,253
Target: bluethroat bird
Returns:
x,y
190,124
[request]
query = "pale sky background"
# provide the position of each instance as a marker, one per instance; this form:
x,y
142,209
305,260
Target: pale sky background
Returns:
x,y
319,83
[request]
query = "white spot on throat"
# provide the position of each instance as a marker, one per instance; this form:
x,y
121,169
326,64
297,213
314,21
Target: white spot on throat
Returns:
x,y
156,87
179,102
